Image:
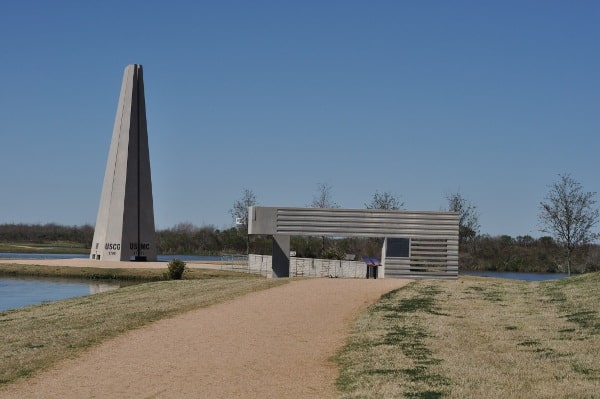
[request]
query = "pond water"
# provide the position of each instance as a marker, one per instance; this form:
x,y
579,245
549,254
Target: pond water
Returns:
x,y
160,258
16,292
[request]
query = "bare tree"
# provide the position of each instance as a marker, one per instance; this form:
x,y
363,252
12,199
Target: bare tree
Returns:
x,y
239,212
569,214
323,198
468,225
385,200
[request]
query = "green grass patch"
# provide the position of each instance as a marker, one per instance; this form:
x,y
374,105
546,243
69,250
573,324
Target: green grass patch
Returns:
x,y
401,342
529,342
574,297
590,373
491,292
586,318
425,395
48,247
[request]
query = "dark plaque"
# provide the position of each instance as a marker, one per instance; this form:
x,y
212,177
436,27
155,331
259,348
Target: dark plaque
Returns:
x,y
398,248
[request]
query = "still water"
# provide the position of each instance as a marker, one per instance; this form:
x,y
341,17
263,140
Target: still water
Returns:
x,y
16,292
160,258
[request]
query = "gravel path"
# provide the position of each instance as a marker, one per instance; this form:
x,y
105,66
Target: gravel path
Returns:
x,y
269,344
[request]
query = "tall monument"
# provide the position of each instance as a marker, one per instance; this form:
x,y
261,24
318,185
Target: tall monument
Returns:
x,y
125,223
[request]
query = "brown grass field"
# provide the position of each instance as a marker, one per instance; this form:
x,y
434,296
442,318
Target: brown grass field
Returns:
x,y
478,338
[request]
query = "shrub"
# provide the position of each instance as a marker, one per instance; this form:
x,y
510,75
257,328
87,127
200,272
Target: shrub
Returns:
x,y
175,270
333,253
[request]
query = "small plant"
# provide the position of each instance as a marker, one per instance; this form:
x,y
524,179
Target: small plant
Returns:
x,y
175,270
333,253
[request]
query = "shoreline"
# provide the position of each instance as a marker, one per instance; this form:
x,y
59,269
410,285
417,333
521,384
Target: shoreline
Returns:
x,y
101,264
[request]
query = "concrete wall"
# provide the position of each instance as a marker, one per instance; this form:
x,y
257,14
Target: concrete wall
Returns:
x,y
307,267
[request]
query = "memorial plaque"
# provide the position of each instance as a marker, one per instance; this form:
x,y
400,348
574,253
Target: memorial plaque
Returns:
x,y
398,248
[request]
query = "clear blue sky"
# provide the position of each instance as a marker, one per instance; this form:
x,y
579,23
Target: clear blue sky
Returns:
x,y
419,98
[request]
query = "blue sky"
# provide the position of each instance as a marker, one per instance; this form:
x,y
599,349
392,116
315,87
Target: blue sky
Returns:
x,y
493,99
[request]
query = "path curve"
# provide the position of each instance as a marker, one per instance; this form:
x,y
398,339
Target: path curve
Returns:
x,y
274,343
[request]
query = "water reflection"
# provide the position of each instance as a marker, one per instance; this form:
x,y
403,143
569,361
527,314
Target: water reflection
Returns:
x,y
16,292
97,288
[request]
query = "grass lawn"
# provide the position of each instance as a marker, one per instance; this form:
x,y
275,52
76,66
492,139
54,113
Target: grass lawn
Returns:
x,y
477,338
97,273
52,247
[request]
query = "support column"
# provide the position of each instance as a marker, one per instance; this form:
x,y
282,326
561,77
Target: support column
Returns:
x,y
281,256
381,271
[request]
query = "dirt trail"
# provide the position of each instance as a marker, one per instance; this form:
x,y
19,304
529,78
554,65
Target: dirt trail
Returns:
x,y
268,344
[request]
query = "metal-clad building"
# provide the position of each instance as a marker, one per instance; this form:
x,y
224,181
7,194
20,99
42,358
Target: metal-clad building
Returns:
x,y
418,244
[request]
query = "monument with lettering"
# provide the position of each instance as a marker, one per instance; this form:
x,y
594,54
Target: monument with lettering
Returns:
x,y
125,223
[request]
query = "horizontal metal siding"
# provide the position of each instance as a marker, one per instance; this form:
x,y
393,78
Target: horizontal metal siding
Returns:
x,y
429,258
372,223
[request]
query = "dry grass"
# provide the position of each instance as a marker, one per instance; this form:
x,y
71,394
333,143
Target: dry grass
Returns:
x,y
35,337
478,338
139,274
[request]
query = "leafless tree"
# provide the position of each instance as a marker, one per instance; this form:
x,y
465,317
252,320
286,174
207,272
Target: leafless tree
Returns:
x,y
468,225
239,212
385,200
569,214
323,197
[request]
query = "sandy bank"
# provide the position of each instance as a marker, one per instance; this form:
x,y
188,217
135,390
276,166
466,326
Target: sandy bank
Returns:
x,y
106,264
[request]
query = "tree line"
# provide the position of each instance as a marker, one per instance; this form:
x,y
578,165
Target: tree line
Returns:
x,y
183,238
567,213
42,233
481,252
526,254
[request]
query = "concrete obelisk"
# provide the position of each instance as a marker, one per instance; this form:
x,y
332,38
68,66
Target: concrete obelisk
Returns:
x,y
125,223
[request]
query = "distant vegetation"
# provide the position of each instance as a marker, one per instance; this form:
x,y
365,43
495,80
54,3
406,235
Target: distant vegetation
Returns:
x,y
525,254
481,252
35,235
184,238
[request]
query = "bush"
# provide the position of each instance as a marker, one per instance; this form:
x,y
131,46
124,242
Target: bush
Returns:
x,y
175,270
333,253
